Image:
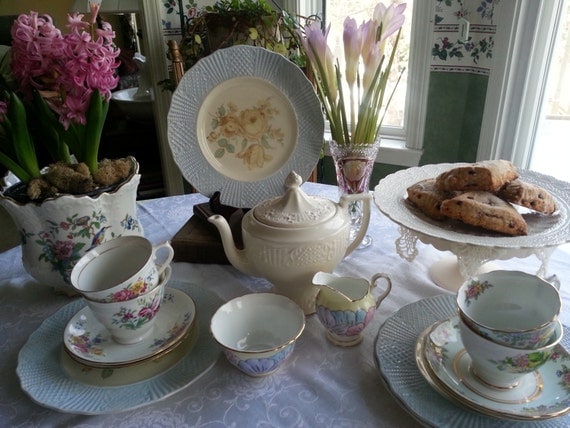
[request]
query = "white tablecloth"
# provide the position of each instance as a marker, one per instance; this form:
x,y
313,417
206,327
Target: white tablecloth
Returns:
x,y
320,385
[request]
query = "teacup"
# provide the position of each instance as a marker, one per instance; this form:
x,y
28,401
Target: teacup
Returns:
x,y
132,320
501,366
511,308
120,269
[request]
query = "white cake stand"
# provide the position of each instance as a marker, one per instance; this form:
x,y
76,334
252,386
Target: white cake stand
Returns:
x,y
473,250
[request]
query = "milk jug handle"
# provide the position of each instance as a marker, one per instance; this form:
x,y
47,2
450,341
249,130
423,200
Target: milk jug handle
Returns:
x,y
382,296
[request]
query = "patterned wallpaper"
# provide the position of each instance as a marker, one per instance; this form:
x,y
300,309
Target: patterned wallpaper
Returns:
x,y
449,54
175,14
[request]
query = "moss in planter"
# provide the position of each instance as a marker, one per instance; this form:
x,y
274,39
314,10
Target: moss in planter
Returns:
x,y
76,179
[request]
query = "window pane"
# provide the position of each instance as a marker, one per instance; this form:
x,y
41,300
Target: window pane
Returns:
x,y
551,148
361,10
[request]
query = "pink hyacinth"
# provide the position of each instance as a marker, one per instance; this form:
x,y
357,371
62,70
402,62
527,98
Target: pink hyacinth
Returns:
x,y
36,46
72,66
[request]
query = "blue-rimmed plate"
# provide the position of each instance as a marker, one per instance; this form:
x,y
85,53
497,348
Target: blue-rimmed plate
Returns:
x,y
49,384
395,354
542,394
240,121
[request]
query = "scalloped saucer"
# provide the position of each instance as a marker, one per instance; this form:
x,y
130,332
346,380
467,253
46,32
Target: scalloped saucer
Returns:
x,y
88,342
443,362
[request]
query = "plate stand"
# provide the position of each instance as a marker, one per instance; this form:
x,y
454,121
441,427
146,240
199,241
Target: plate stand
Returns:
x,y
446,272
468,260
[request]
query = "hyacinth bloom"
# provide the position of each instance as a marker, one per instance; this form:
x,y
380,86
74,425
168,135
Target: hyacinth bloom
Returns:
x,y
366,64
66,80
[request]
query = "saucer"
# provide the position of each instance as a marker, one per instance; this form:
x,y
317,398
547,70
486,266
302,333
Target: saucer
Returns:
x,y
49,381
442,360
89,342
132,373
394,351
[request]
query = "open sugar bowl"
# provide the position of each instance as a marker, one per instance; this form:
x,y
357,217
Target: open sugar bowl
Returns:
x,y
510,308
258,331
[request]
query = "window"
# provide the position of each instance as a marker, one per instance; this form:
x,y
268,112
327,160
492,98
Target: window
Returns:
x,y
518,88
403,127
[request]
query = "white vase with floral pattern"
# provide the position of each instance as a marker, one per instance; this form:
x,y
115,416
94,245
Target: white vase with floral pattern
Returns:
x,y
57,232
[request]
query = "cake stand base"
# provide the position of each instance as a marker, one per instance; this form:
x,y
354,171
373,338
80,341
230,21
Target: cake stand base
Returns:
x,y
446,274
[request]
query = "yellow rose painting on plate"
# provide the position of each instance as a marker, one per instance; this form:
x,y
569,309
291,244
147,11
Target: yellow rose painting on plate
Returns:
x,y
248,134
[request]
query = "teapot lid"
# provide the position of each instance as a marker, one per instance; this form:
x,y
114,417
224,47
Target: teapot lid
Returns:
x,y
295,208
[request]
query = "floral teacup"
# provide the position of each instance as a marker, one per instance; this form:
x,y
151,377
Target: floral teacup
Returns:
x,y
120,269
511,308
502,366
133,320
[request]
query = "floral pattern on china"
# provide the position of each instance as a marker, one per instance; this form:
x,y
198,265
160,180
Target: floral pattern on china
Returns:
x,y
86,339
250,132
447,333
260,366
132,320
475,289
63,254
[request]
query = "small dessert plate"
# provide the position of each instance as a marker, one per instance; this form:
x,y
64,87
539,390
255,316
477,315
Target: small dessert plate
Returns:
x,y
88,342
443,362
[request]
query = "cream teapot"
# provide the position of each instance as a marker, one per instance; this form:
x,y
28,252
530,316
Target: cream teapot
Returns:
x,y
290,238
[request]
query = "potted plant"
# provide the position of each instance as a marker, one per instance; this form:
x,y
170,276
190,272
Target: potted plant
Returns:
x,y
238,22
56,103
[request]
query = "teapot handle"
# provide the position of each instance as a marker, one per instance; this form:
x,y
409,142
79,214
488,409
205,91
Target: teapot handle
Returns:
x,y
375,278
365,198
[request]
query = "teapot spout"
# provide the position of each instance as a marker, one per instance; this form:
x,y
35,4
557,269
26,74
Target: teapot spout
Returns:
x,y
237,257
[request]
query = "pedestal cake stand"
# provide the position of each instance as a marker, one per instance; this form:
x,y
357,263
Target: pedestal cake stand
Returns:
x,y
473,249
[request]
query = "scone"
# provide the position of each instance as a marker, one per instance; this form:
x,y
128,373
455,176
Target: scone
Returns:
x,y
488,175
484,209
428,198
528,195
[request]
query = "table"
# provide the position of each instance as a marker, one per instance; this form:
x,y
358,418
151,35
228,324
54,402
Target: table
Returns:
x,y
321,385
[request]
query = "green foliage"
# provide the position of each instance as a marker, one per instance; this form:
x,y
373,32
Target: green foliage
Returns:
x,y
240,22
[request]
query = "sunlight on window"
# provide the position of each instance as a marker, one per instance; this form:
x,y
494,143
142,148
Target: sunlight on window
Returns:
x,y
551,149
361,10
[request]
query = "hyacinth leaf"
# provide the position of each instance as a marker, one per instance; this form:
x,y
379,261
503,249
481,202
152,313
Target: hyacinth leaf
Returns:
x,y
52,131
95,119
15,168
16,125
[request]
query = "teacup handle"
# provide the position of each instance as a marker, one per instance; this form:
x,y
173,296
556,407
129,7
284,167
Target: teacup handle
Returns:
x,y
169,255
375,278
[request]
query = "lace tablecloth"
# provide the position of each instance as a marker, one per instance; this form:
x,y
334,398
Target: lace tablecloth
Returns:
x,y
320,385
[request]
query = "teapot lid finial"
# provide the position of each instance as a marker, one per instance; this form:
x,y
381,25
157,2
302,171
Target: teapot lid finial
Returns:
x,y
293,180
295,208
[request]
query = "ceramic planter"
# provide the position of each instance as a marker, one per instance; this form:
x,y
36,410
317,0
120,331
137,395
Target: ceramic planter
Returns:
x,y
57,232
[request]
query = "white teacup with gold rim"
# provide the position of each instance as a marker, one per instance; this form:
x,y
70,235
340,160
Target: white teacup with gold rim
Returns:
x,y
131,321
121,269
511,308
500,366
